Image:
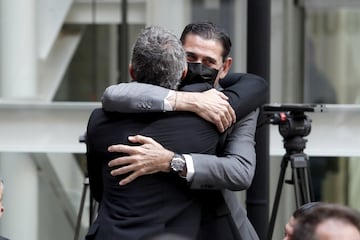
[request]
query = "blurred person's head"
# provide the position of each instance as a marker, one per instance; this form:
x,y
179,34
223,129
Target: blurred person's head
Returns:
x,y
328,222
158,58
303,209
207,49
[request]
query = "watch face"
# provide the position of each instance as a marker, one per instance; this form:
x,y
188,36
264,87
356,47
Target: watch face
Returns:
x,y
177,164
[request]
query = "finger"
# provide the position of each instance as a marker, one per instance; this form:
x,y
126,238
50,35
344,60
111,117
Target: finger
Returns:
x,y
223,96
220,126
121,161
115,162
122,170
121,148
232,114
145,141
140,139
225,121
128,179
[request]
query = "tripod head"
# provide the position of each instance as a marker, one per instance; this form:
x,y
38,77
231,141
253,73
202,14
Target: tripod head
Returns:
x,y
294,125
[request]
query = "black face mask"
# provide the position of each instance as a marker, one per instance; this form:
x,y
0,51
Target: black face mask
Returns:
x,y
199,73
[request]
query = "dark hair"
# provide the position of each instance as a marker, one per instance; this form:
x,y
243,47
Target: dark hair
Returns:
x,y
208,30
306,208
305,227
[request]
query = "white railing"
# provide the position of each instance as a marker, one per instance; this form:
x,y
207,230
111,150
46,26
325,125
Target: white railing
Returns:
x,y
334,132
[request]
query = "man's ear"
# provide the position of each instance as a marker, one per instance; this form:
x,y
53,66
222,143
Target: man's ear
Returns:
x,y
131,72
184,73
226,67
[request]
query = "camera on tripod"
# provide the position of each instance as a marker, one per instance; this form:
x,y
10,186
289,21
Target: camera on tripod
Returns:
x,y
294,125
291,119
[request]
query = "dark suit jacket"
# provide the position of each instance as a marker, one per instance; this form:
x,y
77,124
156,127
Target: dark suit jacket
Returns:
x,y
152,204
2,238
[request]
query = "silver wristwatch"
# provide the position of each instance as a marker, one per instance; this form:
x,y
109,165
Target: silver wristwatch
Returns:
x,y
177,163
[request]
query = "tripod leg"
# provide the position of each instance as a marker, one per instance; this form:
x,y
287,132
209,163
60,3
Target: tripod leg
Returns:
x,y
301,178
309,182
81,209
297,188
284,163
306,190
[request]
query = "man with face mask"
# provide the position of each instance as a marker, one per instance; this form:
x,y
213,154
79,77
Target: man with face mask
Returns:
x,y
215,177
197,73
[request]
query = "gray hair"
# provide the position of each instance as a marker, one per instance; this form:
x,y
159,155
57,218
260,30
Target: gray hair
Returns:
x,y
158,58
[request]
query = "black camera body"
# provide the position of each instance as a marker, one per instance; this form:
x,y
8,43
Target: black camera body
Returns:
x,y
291,118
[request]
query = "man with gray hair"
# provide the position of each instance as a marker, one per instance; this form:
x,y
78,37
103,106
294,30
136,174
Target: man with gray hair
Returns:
x,y
158,58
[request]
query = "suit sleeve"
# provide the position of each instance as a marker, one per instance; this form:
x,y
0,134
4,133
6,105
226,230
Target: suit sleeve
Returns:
x,y
134,97
246,92
235,168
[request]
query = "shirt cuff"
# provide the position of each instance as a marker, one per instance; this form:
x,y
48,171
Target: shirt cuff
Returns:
x,y
167,105
190,171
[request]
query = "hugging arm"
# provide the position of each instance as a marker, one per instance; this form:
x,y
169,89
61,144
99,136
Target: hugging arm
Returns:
x,y
234,168
211,105
134,97
235,165
245,93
